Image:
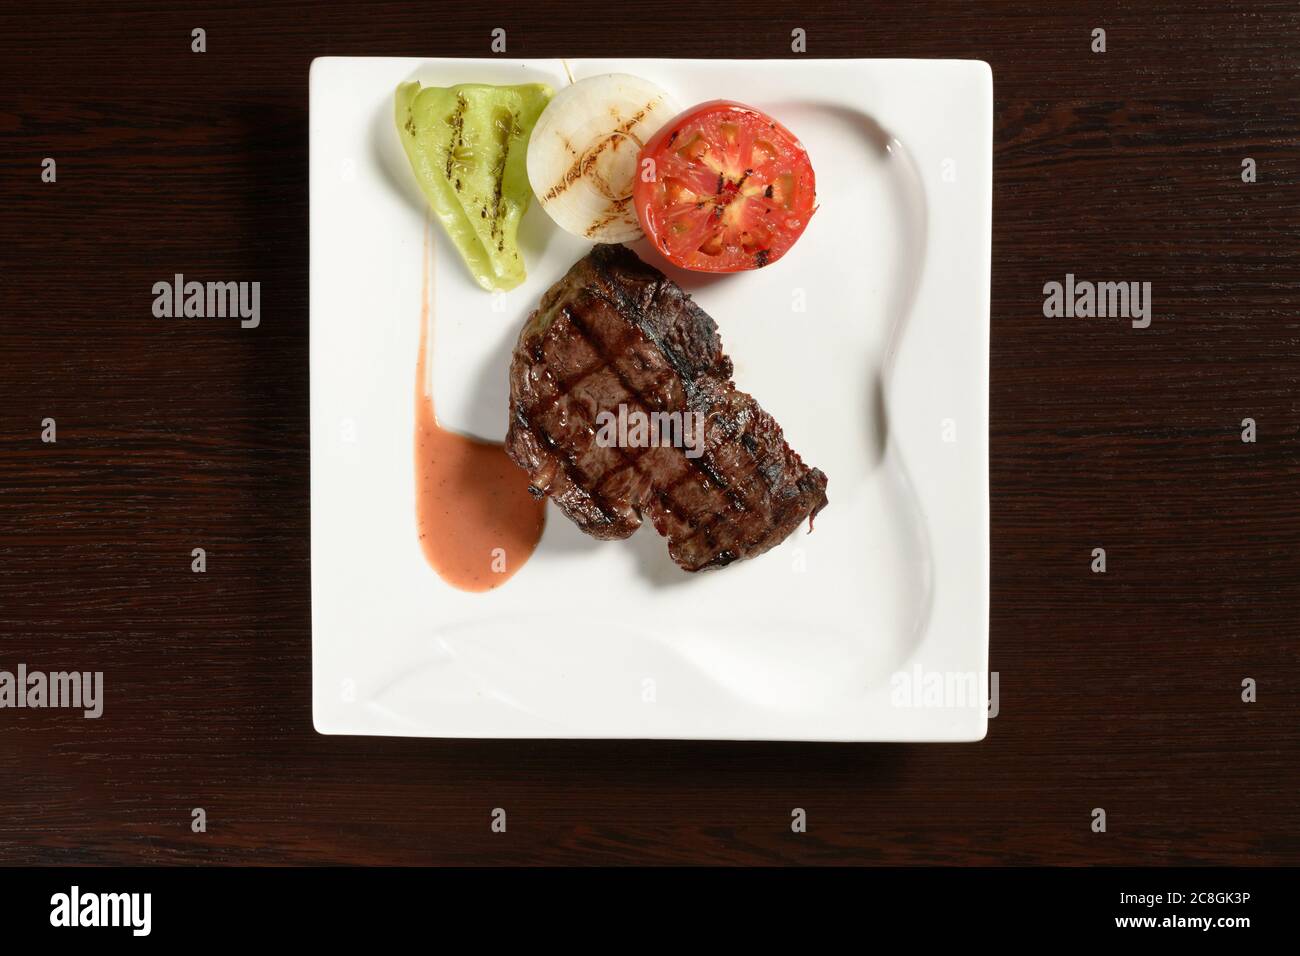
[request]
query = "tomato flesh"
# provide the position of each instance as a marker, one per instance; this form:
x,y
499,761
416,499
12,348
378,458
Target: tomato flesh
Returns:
x,y
724,188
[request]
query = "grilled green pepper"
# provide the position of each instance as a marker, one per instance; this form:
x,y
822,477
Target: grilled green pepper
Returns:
x,y
467,145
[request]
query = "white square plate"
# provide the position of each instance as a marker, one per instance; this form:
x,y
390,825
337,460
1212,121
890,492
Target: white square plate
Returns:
x,y
868,342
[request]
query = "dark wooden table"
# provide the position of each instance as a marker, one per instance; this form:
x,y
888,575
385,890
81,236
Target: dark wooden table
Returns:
x,y
1119,690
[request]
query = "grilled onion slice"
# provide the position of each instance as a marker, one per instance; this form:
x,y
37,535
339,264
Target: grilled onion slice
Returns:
x,y
582,156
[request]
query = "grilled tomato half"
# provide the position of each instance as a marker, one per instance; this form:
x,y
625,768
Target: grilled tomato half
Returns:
x,y
724,187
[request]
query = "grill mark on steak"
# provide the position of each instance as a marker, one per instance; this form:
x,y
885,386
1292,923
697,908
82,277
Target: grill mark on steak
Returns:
x,y
616,331
628,306
701,463
568,461
629,461
666,499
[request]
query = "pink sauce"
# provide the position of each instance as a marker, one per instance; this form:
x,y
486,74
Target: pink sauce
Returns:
x,y
477,522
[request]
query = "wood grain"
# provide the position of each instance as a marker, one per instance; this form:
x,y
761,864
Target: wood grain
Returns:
x,y
1118,691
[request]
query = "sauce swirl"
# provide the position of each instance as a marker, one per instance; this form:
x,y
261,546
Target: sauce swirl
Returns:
x,y
477,522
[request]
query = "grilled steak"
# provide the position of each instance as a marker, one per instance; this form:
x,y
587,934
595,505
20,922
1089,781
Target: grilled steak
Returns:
x,y
616,337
